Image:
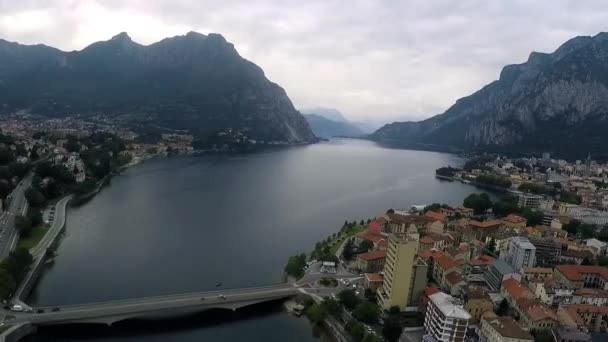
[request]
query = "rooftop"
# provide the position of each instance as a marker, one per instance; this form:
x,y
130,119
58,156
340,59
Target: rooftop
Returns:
x,y
522,242
435,216
483,260
449,306
535,310
374,277
485,224
512,218
507,327
576,272
372,255
370,236
538,270
571,334
516,290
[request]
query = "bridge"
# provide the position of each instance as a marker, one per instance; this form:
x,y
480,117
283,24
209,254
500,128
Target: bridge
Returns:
x,y
154,307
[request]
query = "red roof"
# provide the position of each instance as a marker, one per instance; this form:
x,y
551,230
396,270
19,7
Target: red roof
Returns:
x,y
454,277
370,236
485,224
427,239
484,260
536,310
373,227
429,291
380,220
372,255
444,261
374,277
576,272
425,253
435,216
512,218
515,289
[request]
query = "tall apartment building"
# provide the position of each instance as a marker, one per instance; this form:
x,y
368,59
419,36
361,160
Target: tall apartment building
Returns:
x,y
548,251
400,272
531,201
520,254
446,320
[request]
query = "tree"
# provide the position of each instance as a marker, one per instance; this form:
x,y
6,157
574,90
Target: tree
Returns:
x,y
332,307
587,262
7,284
602,261
394,310
366,312
295,265
503,308
34,197
35,216
23,225
347,251
371,338
390,211
392,329
365,246
316,313
478,202
534,217
572,227
355,329
362,223
492,245
349,299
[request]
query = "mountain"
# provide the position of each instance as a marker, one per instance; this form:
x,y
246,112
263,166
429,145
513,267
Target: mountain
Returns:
x,y
195,82
326,128
328,113
553,102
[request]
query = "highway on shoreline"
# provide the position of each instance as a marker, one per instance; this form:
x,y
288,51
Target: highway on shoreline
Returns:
x,y
17,206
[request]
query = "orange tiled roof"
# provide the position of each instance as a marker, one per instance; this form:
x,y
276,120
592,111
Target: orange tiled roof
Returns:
x,y
444,261
429,291
515,289
370,236
454,277
372,255
374,277
538,311
435,216
512,218
576,272
538,270
590,308
427,239
484,260
485,224
425,253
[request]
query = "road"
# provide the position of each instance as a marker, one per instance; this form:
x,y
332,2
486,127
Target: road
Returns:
x,y
17,206
54,229
154,305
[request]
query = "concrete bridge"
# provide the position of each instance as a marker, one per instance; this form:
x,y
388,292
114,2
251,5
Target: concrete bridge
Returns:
x,y
154,307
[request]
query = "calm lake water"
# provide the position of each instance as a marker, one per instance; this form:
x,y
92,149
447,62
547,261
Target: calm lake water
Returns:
x,y
175,225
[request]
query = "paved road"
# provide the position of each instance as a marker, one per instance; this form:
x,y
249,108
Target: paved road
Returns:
x,y
154,305
54,229
17,206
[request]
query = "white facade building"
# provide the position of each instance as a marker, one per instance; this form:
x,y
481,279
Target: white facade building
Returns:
x,y
446,320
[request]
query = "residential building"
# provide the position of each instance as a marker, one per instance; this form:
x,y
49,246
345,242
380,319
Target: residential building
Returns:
x,y
552,292
446,320
503,329
548,251
424,298
373,281
498,273
588,317
531,201
371,262
399,272
569,334
482,229
520,254
576,256
537,273
512,290
454,283
514,221
377,239
443,264
535,316
590,296
399,224
579,276
597,245
477,302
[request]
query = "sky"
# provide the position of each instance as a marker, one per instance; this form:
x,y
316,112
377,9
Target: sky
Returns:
x,y
372,60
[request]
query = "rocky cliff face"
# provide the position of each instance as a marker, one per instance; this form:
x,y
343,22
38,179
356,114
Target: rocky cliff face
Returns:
x,y
195,82
554,102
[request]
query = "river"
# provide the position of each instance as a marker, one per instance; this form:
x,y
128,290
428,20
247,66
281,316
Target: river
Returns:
x,y
183,224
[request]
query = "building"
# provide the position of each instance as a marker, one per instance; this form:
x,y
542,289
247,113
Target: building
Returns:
x,y
597,245
552,292
424,298
535,316
548,251
477,302
446,320
587,317
373,281
579,276
537,273
498,273
512,290
399,272
568,334
375,238
371,262
503,329
514,221
575,256
520,253
528,200
597,297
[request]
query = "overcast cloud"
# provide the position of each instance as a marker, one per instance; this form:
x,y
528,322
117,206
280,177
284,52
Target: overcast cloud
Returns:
x,y
374,59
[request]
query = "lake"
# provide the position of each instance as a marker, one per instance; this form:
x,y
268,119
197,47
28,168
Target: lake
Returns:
x,y
183,224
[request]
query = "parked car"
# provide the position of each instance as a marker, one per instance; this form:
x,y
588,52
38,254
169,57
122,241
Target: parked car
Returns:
x,y
55,309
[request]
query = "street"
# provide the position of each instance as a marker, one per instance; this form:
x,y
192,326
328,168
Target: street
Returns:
x,y
17,206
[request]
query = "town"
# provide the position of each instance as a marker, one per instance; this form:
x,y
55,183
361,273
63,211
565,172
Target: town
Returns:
x,y
530,265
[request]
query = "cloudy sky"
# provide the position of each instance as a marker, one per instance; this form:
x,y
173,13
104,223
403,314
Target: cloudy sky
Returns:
x,y
370,59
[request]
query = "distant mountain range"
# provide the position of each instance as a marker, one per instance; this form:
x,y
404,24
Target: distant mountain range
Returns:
x,y
555,102
326,128
195,82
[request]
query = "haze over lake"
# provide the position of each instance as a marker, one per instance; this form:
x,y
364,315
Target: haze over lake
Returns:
x,y
183,224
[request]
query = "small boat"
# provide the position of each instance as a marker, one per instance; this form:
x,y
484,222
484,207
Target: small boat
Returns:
x,y
218,284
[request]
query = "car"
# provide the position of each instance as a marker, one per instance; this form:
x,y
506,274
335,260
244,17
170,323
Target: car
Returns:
x,y
29,310
40,311
222,296
202,298
55,309
7,307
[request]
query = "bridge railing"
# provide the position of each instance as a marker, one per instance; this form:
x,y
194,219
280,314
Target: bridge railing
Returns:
x,y
226,292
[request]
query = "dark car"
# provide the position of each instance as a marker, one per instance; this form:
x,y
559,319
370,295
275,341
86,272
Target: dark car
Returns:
x,y
55,309
40,311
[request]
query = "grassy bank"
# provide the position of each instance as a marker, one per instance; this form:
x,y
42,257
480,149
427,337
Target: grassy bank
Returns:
x,y
33,238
